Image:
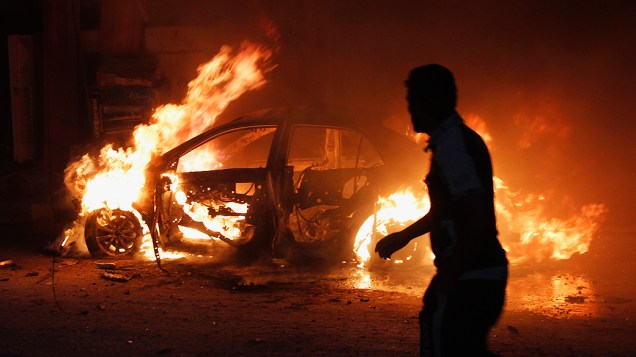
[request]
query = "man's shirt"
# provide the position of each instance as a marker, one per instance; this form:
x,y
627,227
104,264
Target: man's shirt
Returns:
x,y
464,233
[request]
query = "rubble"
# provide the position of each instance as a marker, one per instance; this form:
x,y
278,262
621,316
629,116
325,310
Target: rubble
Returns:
x,y
108,266
122,278
7,262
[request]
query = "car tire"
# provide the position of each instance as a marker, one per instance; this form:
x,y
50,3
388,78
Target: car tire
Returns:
x,y
112,233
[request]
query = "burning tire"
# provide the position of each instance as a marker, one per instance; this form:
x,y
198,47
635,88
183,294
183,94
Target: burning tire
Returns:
x,y
112,233
373,229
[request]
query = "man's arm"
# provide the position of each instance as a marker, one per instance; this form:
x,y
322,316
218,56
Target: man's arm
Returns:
x,y
398,240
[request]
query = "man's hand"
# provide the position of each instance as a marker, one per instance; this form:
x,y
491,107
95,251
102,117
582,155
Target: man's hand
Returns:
x,y
391,244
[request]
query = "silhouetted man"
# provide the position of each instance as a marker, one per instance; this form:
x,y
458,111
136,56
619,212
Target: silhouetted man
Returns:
x,y
466,296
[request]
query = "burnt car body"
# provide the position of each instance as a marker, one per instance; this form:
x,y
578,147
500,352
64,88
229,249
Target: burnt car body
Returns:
x,y
277,181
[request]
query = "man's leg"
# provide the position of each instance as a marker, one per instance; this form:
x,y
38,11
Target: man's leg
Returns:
x,y
457,323
431,317
473,309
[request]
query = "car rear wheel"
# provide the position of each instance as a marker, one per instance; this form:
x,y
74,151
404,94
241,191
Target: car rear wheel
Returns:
x,y
414,253
112,233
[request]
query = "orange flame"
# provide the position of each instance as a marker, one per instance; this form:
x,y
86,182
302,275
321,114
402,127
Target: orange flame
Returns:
x,y
527,233
114,178
395,211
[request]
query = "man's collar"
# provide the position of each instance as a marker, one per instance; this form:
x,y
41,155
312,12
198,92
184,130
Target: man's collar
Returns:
x,y
452,120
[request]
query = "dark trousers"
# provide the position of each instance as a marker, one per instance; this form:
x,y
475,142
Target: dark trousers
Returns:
x,y
456,321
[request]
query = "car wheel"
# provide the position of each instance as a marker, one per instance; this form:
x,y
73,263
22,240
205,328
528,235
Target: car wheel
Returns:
x,y
321,233
112,233
413,254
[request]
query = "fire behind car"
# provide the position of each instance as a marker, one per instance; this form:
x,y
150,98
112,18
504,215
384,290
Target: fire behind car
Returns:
x,y
274,181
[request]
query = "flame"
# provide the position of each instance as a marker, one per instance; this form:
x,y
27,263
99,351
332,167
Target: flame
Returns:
x,y
229,226
114,178
397,210
479,125
527,232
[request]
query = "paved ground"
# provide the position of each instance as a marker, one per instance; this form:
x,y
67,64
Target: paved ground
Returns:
x,y
55,306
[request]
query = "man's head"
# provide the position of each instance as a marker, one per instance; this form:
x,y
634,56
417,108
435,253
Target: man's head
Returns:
x,y
432,96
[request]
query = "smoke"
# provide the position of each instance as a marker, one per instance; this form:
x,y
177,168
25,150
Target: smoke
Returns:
x,y
553,81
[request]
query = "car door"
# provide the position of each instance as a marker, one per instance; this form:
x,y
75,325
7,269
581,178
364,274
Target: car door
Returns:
x,y
333,174
221,190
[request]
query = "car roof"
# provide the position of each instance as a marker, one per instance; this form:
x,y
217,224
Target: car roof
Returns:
x,y
300,115
393,146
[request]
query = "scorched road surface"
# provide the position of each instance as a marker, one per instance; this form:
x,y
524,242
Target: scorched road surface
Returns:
x,y
203,306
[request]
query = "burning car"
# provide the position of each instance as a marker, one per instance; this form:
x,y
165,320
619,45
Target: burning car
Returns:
x,y
265,182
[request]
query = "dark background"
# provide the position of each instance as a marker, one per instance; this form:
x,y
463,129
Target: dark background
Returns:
x,y
554,81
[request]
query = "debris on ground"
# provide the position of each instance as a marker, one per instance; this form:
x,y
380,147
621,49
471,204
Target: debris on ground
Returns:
x,y
7,262
578,299
70,262
108,266
122,278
